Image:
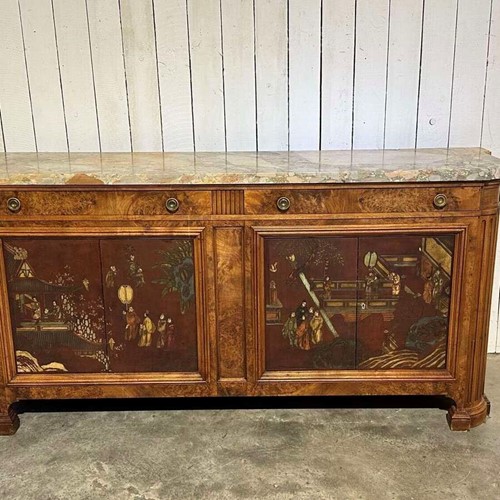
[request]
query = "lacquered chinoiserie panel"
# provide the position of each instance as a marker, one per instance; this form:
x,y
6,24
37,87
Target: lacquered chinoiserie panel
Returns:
x,y
367,302
56,304
149,293
309,324
102,304
405,296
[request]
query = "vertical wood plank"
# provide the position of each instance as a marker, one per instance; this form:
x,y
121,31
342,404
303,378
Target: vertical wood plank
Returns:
x,y
436,73
338,74
14,92
109,76
239,79
403,73
493,337
43,75
174,74
141,74
70,17
491,125
2,142
272,74
206,60
491,140
304,73
370,73
470,73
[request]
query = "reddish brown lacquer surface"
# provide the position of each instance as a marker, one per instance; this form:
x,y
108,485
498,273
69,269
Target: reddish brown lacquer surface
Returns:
x,y
374,302
367,289
102,305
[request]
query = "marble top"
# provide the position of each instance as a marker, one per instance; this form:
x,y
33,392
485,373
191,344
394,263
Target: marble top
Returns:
x,y
422,165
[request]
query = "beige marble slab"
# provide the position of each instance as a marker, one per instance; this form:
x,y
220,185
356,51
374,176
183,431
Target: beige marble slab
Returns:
x,y
423,165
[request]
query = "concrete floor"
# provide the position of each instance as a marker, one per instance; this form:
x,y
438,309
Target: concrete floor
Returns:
x,y
313,453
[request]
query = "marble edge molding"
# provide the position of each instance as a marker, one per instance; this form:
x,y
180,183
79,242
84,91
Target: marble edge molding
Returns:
x,y
331,167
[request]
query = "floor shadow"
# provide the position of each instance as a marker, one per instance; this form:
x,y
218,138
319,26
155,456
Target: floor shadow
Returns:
x,y
234,403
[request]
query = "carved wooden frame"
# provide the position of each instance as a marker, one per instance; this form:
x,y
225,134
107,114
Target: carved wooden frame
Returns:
x,y
340,381
202,376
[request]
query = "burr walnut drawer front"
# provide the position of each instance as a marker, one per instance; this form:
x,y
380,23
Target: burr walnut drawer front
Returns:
x,y
362,200
114,202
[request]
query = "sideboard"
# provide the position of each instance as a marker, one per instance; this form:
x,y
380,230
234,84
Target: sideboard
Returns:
x,y
270,274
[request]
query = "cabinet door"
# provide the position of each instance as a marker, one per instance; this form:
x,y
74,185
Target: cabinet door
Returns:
x,y
56,304
363,302
90,305
149,295
404,302
311,289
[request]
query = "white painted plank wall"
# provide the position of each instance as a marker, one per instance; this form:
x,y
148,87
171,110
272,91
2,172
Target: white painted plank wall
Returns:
x,y
304,74
337,82
403,73
141,74
438,59
17,121
271,53
109,75
370,81
491,140
207,74
44,77
77,81
491,122
237,19
174,74
180,75
470,72
2,141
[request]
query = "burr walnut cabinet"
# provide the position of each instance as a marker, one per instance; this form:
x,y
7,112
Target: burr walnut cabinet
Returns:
x,y
247,275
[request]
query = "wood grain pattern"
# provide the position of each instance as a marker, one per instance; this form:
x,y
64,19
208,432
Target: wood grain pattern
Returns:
x,y
107,203
228,202
230,303
357,200
9,421
229,257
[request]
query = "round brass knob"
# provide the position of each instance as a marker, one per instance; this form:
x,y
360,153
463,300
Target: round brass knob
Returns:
x,y
440,201
172,205
14,205
283,204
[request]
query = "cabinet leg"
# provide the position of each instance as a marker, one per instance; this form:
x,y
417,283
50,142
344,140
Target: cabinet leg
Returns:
x,y
465,418
9,421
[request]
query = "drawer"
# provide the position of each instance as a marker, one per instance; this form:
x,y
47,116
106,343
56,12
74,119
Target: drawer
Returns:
x,y
66,203
347,200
